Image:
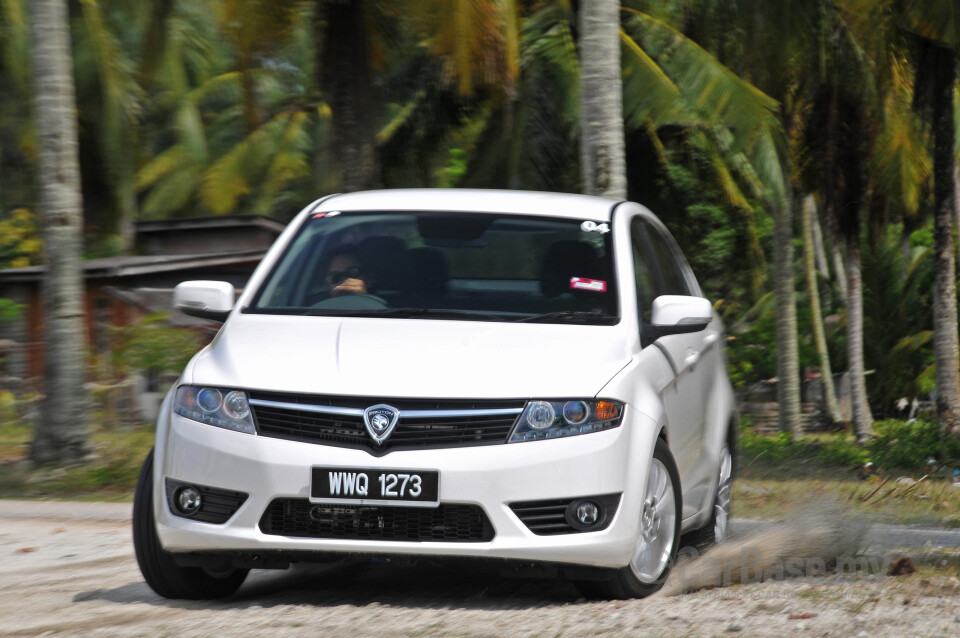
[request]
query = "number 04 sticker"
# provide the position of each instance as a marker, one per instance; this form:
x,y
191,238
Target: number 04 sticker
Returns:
x,y
594,227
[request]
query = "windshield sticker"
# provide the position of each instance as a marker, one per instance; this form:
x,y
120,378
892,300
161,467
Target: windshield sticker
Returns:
x,y
582,283
594,227
333,213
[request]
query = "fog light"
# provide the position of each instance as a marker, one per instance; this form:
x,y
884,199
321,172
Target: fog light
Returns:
x,y
188,499
588,513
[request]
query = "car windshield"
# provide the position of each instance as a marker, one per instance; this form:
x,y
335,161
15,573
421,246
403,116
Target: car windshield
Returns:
x,y
430,265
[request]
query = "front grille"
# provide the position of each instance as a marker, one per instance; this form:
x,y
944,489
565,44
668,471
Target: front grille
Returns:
x,y
216,505
546,518
447,523
423,424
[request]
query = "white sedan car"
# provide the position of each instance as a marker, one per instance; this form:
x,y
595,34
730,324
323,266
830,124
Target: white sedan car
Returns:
x,y
519,376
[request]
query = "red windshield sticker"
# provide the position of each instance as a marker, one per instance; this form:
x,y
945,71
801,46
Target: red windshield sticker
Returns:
x,y
582,283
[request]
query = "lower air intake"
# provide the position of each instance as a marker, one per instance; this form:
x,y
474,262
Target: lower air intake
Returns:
x,y
452,523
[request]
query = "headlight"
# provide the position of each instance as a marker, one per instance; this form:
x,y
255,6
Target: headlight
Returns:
x,y
223,408
553,419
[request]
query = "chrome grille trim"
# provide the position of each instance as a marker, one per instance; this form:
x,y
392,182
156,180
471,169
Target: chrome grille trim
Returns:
x,y
422,423
305,407
404,414
430,414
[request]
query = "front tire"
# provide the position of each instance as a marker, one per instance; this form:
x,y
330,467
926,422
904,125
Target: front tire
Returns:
x,y
658,540
159,569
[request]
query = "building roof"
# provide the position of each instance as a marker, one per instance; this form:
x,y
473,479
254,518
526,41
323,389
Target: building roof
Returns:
x,y
475,200
134,265
218,222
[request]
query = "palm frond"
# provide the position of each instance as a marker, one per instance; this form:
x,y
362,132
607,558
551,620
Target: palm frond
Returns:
x,y
232,176
648,94
472,37
289,163
14,43
938,21
548,47
169,161
900,164
121,90
401,118
173,193
716,95
709,88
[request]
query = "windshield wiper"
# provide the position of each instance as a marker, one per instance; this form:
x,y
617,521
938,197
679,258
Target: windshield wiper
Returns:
x,y
406,313
571,316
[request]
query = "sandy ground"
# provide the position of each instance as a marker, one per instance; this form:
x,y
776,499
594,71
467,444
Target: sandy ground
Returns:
x,y
69,570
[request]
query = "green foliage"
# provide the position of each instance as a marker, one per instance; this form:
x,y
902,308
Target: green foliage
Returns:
x,y
905,445
752,354
922,237
152,346
111,474
909,444
455,169
9,310
832,448
723,241
897,285
20,243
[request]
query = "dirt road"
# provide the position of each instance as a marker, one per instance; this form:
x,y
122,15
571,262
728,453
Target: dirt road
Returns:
x,y
69,570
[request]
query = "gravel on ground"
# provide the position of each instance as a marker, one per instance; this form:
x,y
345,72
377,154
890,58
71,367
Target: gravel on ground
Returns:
x,y
68,569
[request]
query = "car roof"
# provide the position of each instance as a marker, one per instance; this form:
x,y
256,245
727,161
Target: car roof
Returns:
x,y
473,201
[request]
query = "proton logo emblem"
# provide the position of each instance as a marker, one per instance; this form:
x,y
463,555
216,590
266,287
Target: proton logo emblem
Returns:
x,y
380,421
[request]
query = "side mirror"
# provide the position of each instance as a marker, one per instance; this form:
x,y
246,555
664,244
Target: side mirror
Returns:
x,y
678,314
211,300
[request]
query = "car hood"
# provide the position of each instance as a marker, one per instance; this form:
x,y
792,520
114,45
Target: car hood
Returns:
x,y
410,358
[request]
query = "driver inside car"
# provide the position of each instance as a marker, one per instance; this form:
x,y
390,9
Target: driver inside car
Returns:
x,y
345,276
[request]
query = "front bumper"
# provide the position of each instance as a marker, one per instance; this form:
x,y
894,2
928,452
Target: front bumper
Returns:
x,y
491,477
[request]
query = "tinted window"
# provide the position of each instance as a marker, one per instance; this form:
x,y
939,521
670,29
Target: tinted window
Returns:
x,y
505,267
643,270
670,273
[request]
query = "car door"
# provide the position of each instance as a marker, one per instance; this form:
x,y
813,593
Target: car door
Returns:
x,y
684,400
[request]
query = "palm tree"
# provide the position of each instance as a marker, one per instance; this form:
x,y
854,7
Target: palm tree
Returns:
x,y
945,341
837,141
830,395
214,163
602,155
62,432
109,114
932,29
748,110
465,61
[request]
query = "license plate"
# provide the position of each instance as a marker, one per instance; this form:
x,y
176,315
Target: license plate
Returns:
x,y
383,487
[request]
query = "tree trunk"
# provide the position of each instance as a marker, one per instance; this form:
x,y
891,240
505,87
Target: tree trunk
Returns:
x,y
813,292
836,253
788,367
819,251
62,432
862,418
944,288
346,83
956,199
603,165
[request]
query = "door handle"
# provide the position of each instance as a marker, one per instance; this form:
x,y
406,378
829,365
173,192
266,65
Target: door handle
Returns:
x,y
711,339
691,359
